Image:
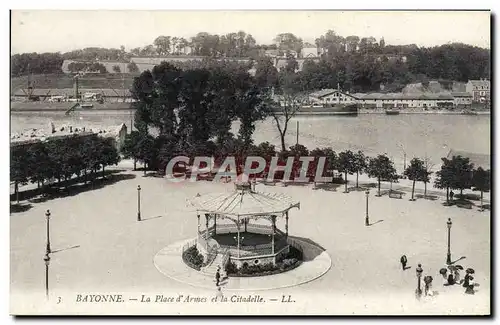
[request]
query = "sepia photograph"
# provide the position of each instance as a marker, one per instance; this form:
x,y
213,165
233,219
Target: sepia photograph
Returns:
x,y
258,162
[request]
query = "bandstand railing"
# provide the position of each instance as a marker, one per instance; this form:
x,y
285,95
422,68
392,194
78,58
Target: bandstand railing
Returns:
x,y
213,248
258,229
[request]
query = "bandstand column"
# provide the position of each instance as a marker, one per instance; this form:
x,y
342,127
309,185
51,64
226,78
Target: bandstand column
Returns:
x,y
273,219
198,225
238,229
206,227
286,224
246,221
215,224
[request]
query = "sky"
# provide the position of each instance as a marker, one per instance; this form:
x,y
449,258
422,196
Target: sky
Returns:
x,y
61,31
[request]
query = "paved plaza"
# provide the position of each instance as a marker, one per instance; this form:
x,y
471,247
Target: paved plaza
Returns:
x,y
99,246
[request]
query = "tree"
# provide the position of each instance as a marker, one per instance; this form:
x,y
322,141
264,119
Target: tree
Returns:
x,y
444,177
162,44
41,162
146,150
289,104
132,67
130,147
109,153
346,164
331,43
19,167
116,68
456,174
481,182
288,41
415,171
360,164
381,168
266,75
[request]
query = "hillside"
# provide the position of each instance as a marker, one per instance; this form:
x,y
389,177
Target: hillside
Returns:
x,y
435,87
57,81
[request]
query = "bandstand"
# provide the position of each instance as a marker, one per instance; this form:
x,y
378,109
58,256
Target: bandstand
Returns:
x,y
240,226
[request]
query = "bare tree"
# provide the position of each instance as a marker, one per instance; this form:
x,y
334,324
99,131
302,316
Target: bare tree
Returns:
x,y
286,108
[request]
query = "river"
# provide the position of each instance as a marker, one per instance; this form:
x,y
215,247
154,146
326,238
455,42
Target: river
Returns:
x,y
419,135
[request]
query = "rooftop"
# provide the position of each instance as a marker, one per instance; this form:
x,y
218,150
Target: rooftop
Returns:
x,y
407,96
244,202
71,92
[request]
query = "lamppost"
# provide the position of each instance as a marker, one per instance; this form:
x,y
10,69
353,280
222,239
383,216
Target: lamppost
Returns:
x,y
419,271
46,258
47,215
404,156
448,256
367,221
138,202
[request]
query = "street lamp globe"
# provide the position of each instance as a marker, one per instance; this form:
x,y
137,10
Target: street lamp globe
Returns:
x,y
367,192
449,223
47,214
138,187
419,270
46,258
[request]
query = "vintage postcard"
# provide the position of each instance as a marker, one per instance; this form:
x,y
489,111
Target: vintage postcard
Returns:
x,y
250,163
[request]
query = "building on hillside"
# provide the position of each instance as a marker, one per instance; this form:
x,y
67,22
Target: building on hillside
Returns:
x,y
271,53
281,63
331,96
462,100
478,159
402,100
392,58
66,94
309,51
480,90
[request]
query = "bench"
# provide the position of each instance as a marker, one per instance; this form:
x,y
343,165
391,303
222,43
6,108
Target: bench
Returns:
x,y
464,205
395,195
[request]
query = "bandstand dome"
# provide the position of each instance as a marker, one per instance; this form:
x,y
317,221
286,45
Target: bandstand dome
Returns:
x,y
244,202
244,239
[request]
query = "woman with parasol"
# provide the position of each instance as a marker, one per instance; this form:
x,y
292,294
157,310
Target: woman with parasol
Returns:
x,y
468,275
428,285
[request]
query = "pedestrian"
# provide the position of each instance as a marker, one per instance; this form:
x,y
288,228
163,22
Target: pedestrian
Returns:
x,y
470,288
428,285
403,261
466,280
217,278
451,279
451,195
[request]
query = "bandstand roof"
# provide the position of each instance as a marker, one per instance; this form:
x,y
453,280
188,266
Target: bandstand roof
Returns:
x,y
244,202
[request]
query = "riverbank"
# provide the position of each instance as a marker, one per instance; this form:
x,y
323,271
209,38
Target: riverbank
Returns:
x,y
432,112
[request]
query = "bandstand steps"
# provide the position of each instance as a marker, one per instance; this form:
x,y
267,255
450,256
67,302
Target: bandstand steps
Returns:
x,y
212,268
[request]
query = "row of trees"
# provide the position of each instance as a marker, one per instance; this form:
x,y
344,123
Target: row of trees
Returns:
x,y
61,159
455,174
352,61
95,67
